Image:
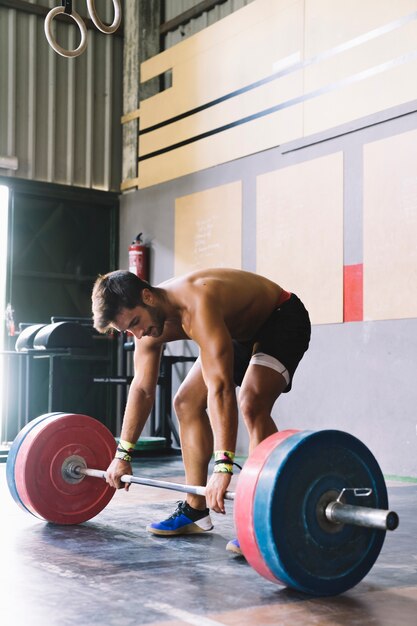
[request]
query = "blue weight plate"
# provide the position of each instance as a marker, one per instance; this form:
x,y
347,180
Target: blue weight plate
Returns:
x,y
13,452
302,549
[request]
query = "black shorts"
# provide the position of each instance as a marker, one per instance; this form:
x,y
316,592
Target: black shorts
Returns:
x,y
285,336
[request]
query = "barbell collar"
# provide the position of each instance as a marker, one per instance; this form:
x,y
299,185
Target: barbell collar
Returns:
x,y
379,519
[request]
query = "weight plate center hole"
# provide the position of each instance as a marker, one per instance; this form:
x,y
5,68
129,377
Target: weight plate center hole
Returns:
x,y
69,469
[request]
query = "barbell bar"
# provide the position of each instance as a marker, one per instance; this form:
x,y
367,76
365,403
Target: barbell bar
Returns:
x,y
335,512
295,505
74,471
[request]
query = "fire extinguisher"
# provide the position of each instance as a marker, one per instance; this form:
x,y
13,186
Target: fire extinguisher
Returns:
x,y
139,258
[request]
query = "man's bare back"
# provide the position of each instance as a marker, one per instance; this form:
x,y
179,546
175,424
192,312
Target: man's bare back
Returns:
x,y
244,300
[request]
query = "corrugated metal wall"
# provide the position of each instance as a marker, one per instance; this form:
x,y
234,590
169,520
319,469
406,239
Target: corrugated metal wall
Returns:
x,y
176,7
60,117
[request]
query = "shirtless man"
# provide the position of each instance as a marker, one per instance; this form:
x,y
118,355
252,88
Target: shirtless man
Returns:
x,y
250,332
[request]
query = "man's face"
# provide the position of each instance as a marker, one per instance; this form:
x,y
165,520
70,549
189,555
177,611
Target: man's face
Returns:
x,y
141,321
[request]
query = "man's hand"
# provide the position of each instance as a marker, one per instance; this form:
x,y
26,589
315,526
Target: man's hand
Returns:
x,y
215,490
116,469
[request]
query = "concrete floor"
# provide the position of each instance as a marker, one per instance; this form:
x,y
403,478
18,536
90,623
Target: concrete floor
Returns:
x,y
110,571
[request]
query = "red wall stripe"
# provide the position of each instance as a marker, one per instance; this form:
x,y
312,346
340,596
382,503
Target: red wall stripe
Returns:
x,y
353,293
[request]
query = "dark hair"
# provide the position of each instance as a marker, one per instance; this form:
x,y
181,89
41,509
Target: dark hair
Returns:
x,y
113,292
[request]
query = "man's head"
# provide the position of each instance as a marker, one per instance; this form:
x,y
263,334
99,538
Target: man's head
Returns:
x,y
114,292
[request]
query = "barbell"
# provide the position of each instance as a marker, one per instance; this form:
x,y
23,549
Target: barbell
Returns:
x,y
296,506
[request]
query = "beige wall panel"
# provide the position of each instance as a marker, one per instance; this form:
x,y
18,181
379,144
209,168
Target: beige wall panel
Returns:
x,y
346,19
379,92
251,54
255,42
299,238
362,57
390,228
226,112
208,229
260,134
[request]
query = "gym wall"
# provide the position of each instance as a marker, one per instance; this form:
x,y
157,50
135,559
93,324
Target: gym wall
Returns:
x,y
286,146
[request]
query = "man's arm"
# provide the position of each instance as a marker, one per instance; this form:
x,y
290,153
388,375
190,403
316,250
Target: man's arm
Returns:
x,y
139,404
210,332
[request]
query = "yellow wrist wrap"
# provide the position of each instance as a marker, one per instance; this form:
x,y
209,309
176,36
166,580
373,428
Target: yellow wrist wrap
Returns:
x,y
126,445
124,450
223,462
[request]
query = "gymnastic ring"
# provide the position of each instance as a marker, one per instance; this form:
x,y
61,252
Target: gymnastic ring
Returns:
x,y
51,40
108,30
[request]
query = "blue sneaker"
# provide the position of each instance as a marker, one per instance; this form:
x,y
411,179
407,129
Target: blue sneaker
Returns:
x,y
184,521
234,546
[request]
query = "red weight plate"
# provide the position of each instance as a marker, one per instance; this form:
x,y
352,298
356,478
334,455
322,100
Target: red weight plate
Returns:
x,y
38,468
244,498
